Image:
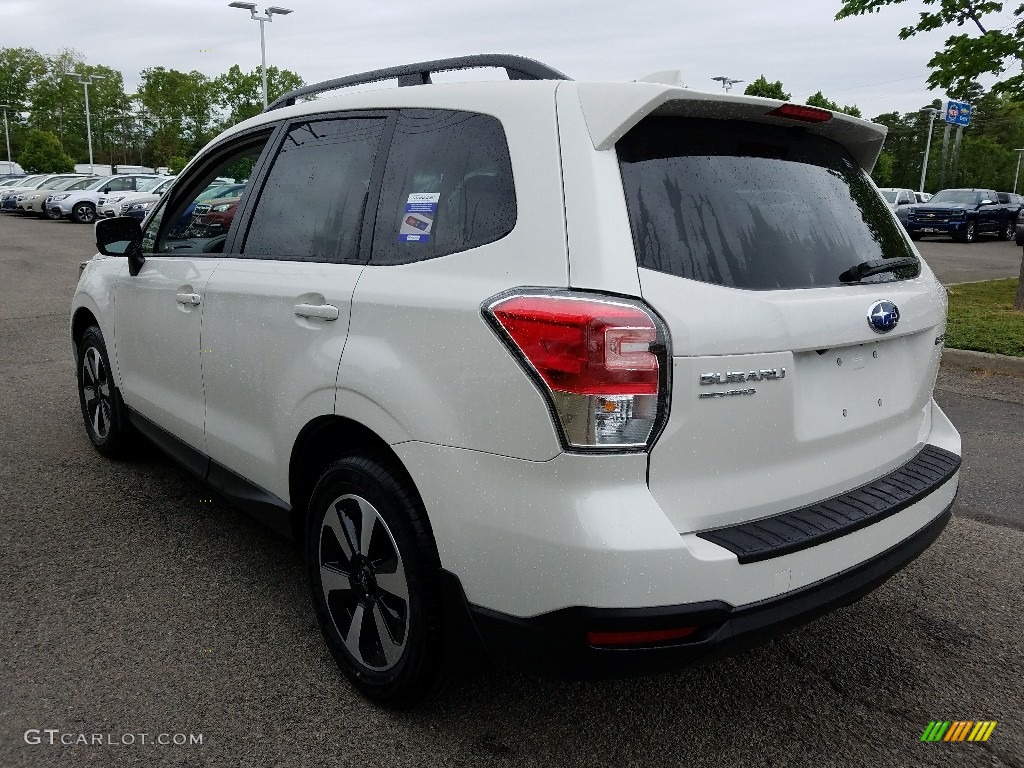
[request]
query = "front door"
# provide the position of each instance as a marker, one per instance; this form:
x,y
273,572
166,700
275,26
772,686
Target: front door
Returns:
x,y
158,313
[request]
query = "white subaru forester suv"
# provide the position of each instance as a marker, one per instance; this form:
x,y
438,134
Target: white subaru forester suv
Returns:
x,y
588,378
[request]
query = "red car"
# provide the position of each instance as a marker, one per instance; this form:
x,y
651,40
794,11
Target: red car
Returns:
x,y
216,216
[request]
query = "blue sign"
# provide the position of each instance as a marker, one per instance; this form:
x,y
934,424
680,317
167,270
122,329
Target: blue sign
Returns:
x,y
958,113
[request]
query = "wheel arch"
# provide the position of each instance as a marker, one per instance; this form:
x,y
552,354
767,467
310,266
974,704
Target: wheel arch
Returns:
x,y
324,440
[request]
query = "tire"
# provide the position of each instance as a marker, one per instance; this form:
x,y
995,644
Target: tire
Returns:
x,y
969,233
53,214
376,593
1019,240
83,213
914,236
106,420
1007,232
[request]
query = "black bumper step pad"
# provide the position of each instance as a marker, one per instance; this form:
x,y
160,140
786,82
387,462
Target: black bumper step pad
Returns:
x,y
826,520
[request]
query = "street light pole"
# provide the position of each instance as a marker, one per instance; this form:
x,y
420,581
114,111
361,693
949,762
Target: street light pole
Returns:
x,y
6,135
86,81
727,82
251,8
931,124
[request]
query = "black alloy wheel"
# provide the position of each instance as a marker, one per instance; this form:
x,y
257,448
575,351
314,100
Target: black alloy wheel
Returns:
x,y
103,411
374,575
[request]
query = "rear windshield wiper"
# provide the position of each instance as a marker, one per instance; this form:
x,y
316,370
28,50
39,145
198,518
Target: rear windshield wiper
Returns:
x,y
864,269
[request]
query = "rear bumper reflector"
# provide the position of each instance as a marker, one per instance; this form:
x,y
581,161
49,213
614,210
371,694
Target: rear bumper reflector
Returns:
x,y
817,523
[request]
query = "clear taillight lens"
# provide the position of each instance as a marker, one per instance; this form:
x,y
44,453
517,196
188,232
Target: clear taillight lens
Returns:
x,y
602,362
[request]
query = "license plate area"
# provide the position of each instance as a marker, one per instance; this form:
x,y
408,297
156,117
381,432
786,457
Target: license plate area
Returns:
x,y
850,388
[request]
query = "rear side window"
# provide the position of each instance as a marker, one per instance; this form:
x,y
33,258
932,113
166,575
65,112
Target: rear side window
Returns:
x,y
753,206
447,187
311,207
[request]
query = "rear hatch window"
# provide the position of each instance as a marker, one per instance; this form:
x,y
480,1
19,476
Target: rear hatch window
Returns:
x,y
753,206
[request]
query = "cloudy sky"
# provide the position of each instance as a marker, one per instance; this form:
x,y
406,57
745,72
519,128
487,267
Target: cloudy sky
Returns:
x,y
859,61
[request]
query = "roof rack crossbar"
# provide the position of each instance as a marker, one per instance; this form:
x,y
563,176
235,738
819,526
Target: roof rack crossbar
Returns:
x,y
517,68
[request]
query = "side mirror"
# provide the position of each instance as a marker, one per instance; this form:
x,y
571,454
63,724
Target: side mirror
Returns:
x,y
121,236
106,190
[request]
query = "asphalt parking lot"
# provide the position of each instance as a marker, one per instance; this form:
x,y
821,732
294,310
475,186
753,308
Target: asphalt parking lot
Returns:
x,y
137,602
985,259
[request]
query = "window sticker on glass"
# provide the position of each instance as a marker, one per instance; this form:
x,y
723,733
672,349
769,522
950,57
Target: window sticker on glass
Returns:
x,y
418,217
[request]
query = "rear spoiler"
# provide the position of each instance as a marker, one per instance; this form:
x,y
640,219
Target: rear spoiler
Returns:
x,y
612,109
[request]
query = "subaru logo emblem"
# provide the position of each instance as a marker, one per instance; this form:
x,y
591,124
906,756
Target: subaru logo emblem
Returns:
x,y
883,316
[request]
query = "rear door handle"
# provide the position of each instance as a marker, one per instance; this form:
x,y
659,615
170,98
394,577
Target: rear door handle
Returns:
x,y
322,311
187,298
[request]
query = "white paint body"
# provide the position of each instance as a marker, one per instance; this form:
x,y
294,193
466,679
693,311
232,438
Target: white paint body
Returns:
x,y
527,527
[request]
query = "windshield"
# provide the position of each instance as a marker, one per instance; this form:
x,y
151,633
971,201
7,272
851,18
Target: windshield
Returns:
x,y
45,181
150,184
889,195
753,206
79,184
68,184
960,196
100,183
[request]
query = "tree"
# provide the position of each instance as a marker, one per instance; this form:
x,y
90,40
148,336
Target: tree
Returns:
x,y
965,56
882,174
761,87
175,164
241,93
819,100
44,154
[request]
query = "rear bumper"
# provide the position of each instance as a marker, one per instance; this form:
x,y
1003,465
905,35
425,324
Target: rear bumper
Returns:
x,y
555,643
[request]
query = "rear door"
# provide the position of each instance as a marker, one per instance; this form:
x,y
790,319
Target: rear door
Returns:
x,y
278,307
790,383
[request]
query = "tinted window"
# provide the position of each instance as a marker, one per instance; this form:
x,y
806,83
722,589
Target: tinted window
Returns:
x,y
447,187
311,207
190,222
752,206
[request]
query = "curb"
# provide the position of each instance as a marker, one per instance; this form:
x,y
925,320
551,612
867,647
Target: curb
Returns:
x,y
983,361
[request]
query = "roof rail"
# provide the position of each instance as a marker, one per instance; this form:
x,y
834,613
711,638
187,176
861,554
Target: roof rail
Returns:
x,y
517,67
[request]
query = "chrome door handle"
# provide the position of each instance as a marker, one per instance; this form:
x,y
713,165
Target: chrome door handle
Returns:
x,y
322,311
187,298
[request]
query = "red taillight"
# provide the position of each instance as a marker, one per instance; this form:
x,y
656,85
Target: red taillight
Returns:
x,y
801,112
600,362
584,347
647,637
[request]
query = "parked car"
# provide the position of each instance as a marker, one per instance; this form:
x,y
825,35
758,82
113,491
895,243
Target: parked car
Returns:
x,y
216,216
116,203
922,197
9,195
1019,229
203,203
1012,204
81,206
532,370
899,201
34,201
964,214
